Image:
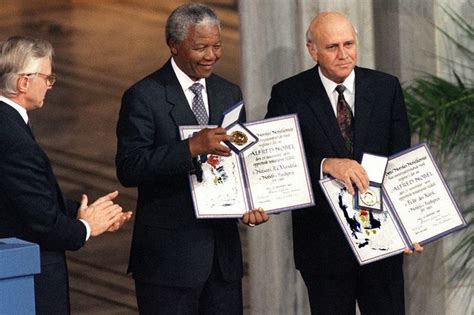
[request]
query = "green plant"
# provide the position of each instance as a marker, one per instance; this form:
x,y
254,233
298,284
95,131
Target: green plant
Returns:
x,y
441,113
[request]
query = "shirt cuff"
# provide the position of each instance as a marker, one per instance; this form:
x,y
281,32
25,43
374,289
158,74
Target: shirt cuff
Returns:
x,y
321,174
88,229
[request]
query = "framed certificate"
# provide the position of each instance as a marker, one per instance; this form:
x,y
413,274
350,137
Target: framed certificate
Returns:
x,y
272,174
425,205
418,208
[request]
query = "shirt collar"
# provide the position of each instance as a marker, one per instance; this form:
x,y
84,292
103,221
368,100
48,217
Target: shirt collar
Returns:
x,y
184,80
20,109
330,86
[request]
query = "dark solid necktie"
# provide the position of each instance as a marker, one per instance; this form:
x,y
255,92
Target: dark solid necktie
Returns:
x,y
198,107
31,129
344,118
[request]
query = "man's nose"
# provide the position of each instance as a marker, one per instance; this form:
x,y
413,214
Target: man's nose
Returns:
x,y
210,54
342,52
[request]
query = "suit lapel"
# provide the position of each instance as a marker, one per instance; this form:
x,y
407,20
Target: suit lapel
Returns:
x,y
181,112
16,117
321,106
216,99
363,108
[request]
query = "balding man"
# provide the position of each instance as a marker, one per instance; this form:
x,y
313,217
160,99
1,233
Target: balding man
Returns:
x,y
344,111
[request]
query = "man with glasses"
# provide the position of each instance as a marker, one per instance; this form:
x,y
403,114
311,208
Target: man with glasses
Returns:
x,y
32,206
50,78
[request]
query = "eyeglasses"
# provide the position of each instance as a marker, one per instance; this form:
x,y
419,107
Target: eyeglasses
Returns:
x,y
49,78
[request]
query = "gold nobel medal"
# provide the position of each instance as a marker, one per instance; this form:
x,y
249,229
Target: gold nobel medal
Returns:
x,y
238,137
369,197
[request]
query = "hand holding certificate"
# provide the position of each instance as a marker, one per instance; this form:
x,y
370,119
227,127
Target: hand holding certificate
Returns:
x,y
208,141
418,208
271,174
255,217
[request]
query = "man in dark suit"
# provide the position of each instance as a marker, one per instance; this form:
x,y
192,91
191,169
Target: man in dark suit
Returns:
x,y
32,206
343,111
181,265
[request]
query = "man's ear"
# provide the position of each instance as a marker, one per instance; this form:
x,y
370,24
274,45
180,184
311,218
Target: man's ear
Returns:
x,y
22,84
173,45
313,52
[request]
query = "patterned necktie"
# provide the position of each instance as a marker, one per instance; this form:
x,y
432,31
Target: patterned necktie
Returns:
x,y
198,104
344,118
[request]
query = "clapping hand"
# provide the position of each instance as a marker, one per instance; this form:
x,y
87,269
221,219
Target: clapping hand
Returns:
x,y
103,214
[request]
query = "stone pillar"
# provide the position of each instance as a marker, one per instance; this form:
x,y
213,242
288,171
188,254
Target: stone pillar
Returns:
x,y
273,48
272,39
411,49
404,38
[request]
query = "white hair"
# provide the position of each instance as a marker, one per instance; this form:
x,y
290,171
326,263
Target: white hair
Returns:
x,y
20,55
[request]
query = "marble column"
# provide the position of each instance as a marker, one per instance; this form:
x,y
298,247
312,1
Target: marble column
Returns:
x,y
413,49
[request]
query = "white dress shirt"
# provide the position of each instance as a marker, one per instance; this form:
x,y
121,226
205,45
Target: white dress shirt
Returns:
x,y
186,82
349,96
349,92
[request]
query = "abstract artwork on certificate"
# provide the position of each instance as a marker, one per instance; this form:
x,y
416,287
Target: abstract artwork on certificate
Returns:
x,y
220,175
369,230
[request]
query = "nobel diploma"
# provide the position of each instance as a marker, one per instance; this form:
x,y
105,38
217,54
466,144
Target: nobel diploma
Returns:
x,y
271,173
418,208
417,190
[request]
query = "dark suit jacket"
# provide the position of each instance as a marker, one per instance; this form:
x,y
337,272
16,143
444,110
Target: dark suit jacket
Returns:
x,y
381,127
170,246
32,208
